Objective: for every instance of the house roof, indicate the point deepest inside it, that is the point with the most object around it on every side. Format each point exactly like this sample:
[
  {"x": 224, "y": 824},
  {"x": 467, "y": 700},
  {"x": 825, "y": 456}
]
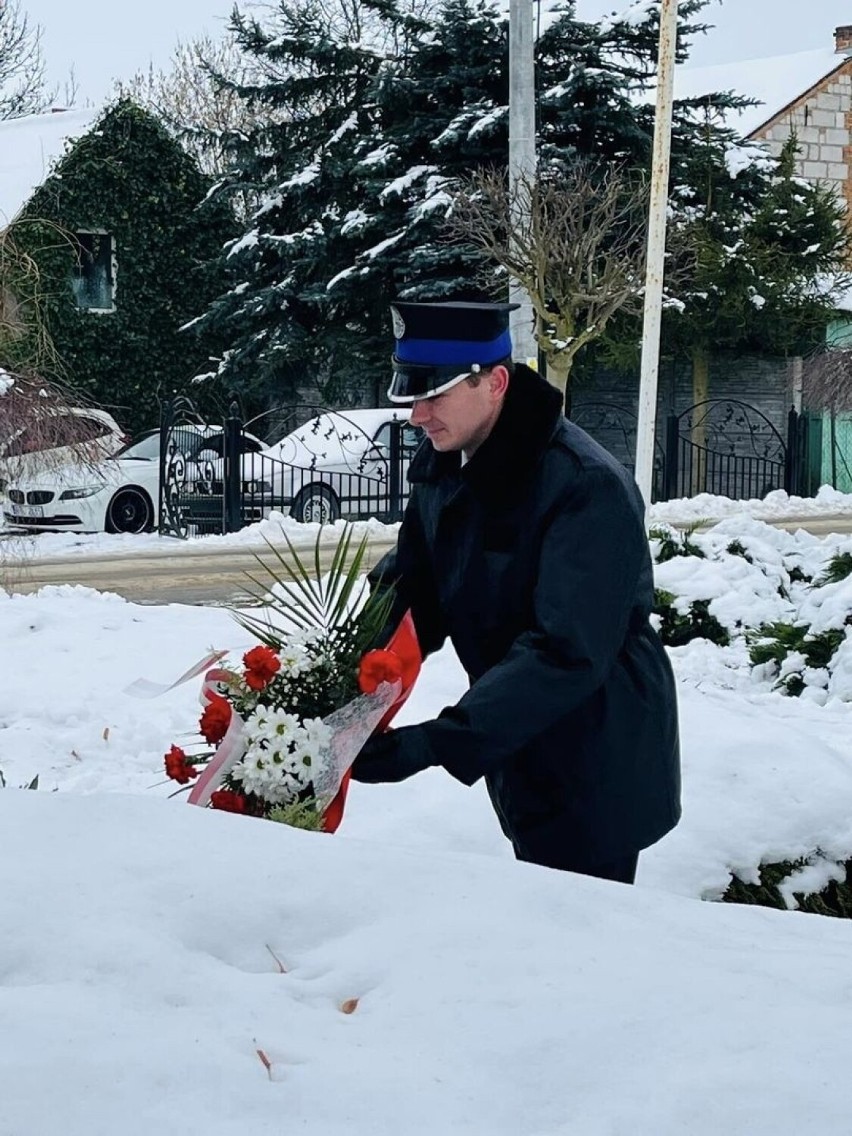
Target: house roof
[
  {"x": 776, "y": 81},
  {"x": 30, "y": 148}
]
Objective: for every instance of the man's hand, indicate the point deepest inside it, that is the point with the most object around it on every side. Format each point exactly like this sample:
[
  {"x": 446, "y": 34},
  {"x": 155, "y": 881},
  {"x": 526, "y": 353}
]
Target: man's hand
[{"x": 393, "y": 756}]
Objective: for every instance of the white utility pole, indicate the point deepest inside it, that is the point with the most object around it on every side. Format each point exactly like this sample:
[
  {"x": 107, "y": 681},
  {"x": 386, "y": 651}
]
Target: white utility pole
[
  {"x": 521, "y": 151},
  {"x": 655, "y": 263}
]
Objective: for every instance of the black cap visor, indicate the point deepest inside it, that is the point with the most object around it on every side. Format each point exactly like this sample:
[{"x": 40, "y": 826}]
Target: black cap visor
[{"x": 413, "y": 381}]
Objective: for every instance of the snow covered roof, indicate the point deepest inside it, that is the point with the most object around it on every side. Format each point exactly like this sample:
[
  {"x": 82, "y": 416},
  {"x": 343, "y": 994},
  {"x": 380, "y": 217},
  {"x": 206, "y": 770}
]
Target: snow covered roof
[
  {"x": 775, "y": 80},
  {"x": 30, "y": 148}
]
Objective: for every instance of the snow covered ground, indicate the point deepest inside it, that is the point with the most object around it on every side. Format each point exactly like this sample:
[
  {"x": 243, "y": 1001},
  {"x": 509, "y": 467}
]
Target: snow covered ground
[
  {"x": 172, "y": 970},
  {"x": 684, "y": 511}
]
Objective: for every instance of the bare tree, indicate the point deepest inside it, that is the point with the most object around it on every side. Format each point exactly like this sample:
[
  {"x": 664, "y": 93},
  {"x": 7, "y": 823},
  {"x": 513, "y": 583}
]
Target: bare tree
[
  {"x": 191, "y": 98},
  {"x": 827, "y": 380},
  {"x": 25, "y": 343},
  {"x": 23, "y": 84},
  {"x": 575, "y": 240},
  {"x": 193, "y": 103}
]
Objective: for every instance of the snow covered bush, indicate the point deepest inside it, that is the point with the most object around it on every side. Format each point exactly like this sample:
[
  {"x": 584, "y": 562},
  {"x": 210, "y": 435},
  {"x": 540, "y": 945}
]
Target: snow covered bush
[
  {"x": 677, "y": 627},
  {"x": 811, "y": 654},
  {"x": 747, "y": 582},
  {"x": 818, "y": 885}
]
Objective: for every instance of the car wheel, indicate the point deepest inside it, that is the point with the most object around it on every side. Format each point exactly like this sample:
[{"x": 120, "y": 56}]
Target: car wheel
[
  {"x": 130, "y": 511},
  {"x": 316, "y": 504}
]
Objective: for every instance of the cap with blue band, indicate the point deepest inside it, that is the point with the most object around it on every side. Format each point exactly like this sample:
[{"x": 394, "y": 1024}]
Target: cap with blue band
[{"x": 438, "y": 345}]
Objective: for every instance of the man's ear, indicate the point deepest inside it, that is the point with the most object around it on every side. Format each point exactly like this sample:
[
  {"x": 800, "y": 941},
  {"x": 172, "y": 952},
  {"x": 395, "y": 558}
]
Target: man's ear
[{"x": 498, "y": 381}]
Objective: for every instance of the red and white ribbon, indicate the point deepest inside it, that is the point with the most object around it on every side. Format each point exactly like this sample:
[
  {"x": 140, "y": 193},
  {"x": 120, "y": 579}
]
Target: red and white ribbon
[{"x": 145, "y": 688}]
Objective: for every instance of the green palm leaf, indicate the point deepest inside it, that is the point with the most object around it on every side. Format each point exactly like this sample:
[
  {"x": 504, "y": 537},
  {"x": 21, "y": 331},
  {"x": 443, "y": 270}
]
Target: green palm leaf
[{"x": 337, "y": 604}]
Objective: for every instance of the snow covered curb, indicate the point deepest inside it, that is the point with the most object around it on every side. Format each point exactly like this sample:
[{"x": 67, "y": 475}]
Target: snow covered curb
[
  {"x": 23, "y": 547},
  {"x": 706, "y": 509},
  {"x": 701, "y": 511}
]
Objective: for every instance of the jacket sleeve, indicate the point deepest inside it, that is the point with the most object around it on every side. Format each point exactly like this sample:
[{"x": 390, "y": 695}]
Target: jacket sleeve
[
  {"x": 592, "y": 556},
  {"x": 408, "y": 568}
]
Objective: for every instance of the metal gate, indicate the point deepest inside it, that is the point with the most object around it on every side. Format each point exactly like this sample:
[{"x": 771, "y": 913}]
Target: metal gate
[
  {"x": 721, "y": 446},
  {"x": 615, "y": 427},
  {"x": 217, "y": 479},
  {"x": 726, "y": 448}
]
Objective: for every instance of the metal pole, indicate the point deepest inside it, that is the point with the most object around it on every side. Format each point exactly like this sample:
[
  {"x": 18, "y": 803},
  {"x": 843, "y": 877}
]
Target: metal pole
[
  {"x": 521, "y": 152},
  {"x": 656, "y": 251}
]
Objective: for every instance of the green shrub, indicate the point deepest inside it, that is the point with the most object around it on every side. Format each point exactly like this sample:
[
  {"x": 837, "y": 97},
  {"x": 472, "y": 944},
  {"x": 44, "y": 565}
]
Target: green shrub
[
  {"x": 839, "y": 568},
  {"x": 835, "y": 899},
  {"x": 674, "y": 544},
  {"x": 773, "y": 642},
  {"x": 676, "y": 629},
  {"x": 737, "y": 548}
]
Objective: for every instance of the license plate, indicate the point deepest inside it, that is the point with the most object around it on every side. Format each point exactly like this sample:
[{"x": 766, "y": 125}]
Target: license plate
[{"x": 33, "y": 512}]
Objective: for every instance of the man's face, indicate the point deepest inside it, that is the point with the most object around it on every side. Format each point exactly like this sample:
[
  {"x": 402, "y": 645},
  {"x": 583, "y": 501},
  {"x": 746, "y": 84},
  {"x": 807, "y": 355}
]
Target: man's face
[{"x": 462, "y": 417}]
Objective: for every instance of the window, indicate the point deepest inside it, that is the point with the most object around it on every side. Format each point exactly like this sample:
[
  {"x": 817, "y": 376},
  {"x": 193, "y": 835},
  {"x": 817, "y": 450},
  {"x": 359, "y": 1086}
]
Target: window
[
  {"x": 53, "y": 433},
  {"x": 93, "y": 274},
  {"x": 143, "y": 449},
  {"x": 27, "y": 441},
  {"x": 412, "y": 436},
  {"x": 383, "y": 437}
]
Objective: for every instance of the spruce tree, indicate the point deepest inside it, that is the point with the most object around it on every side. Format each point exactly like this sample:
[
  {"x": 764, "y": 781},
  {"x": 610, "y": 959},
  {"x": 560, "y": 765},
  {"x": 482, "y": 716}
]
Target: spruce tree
[
  {"x": 764, "y": 253},
  {"x": 284, "y": 330},
  {"x": 364, "y": 143},
  {"x": 440, "y": 111}
]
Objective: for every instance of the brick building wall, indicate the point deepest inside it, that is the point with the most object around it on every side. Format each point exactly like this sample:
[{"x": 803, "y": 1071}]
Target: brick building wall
[{"x": 822, "y": 120}]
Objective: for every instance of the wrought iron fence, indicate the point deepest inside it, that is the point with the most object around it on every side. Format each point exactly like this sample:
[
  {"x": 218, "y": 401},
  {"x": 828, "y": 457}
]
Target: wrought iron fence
[
  {"x": 724, "y": 447},
  {"x": 614, "y": 427},
  {"x": 217, "y": 479},
  {"x": 332, "y": 467}
]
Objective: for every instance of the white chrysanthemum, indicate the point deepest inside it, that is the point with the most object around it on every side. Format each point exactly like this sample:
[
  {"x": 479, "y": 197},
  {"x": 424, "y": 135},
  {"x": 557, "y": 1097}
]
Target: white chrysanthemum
[
  {"x": 295, "y": 660},
  {"x": 278, "y": 777},
  {"x": 317, "y": 735},
  {"x": 273, "y": 726},
  {"x": 281, "y": 755}
]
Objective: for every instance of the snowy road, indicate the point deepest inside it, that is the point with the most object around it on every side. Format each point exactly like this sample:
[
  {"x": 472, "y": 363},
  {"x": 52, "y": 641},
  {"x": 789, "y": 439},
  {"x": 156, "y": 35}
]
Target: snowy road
[
  {"x": 212, "y": 570},
  {"x": 182, "y": 575}
]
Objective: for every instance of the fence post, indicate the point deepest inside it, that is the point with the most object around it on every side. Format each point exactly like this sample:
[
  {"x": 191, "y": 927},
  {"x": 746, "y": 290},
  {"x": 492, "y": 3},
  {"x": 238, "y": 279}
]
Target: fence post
[
  {"x": 232, "y": 470},
  {"x": 793, "y": 457},
  {"x": 166, "y": 419},
  {"x": 395, "y": 473},
  {"x": 672, "y": 457}
]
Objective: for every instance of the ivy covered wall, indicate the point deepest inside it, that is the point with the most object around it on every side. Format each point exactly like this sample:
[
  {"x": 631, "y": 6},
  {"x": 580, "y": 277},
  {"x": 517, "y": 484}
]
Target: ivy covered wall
[{"x": 129, "y": 179}]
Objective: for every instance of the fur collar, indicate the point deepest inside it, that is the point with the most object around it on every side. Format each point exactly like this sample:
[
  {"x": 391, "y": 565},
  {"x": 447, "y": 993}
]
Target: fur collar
[{"x": 531, "y": 412}]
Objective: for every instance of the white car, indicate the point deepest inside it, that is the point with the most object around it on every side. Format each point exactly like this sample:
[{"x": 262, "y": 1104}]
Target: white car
[
  {"x": 341, "y": 463},
  {"x": 120, "y": 494},
  {"x": 88, "y": 435}
]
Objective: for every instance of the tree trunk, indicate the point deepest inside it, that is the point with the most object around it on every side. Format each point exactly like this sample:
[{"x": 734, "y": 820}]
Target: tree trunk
[
  {"x": 559, "y": 372},
  {"x": 700, "y": 393}
]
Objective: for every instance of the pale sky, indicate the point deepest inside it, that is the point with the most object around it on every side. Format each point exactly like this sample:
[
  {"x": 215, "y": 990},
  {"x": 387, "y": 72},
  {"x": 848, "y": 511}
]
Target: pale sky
[{"x": 104, "y": 40}]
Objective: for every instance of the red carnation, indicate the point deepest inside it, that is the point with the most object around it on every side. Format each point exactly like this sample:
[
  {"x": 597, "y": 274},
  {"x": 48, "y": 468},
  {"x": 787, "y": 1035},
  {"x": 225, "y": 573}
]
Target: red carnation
[
  {"x": 178, "y": 766},
  {"x": 215, "y": 719},
  {"x": 378, "y": 667},
  {"x": 261, "y": 664},
  {"x": 228, "y": 801}
]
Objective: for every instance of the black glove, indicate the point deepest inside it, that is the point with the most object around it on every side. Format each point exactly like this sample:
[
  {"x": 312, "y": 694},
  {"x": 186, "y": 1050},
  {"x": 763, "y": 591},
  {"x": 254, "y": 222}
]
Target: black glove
[{"x": 393, "y": 756}]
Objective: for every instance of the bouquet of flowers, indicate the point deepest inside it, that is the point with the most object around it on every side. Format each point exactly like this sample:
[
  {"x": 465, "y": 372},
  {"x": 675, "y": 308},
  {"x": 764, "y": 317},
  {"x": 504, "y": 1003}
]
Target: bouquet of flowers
[{"x": 282, "y": 726}]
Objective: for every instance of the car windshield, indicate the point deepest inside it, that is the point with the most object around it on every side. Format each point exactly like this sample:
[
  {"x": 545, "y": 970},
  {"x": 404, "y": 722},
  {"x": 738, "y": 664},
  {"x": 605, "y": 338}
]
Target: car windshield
[{"x": 146, "y": 448}]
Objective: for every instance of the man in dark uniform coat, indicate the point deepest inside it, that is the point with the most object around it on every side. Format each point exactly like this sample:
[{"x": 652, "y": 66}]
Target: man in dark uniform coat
[{"x": 524, "y": 542}]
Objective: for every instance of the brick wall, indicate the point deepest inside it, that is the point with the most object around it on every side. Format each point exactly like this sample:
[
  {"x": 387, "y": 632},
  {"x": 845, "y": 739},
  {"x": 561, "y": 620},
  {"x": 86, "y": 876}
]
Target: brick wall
[
  {"x": 765, "y": 383},
  {"x": 822, "y": 121}
]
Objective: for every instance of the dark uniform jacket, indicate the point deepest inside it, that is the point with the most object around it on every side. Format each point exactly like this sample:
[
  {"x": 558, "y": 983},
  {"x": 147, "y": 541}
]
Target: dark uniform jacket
[{"x": 533, "y": 559}]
